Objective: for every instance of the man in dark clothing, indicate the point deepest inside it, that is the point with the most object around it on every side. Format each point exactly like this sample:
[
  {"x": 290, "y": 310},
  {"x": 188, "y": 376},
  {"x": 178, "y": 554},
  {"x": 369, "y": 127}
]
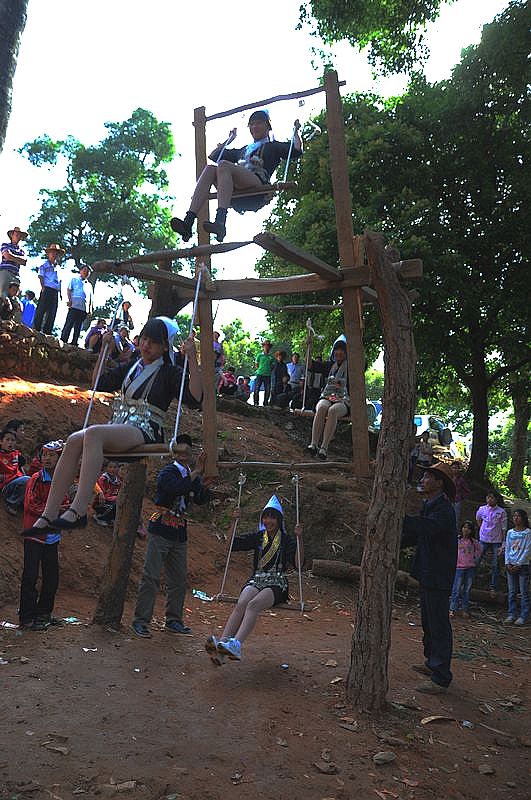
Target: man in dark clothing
[{"x": 434, "y": 534}]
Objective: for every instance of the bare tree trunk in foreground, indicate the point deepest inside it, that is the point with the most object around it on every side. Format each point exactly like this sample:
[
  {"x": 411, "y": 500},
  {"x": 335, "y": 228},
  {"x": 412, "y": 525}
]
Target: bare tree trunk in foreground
[
  {"x": 13, "y": 15},
  {"x": 116, "y": 576},
  {"x": 367, "y": 681}
]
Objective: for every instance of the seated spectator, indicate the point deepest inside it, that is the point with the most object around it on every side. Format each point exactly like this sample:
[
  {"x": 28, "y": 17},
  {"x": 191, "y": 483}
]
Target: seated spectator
[
  {"x": 95, "y": 335},
  {"x": 36, "y": 460},
  {"x": 12, "y": 479},
  {"x": 124, "y": 318},
  {"x": 333, "y": 404},
  {"x": 123, "y": 349},
  {"x": 228, "y": 382},
  {"x": 243, "y": 390},
  {"x": 317, "y": 375},
  {"x": 11, "y": 307},
  {"x": 110, "y": 484},
  {"x": 279, "y": 380},
  {"x": 296, "y": 372},
  {"x": 29, "y": 307}
]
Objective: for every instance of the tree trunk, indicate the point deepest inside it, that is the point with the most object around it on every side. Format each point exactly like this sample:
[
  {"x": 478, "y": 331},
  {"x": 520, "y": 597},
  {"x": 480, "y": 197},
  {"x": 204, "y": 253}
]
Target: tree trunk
[
  {"x": 367, "y": 681},
  {"x": 520, "y": 449},
  {"x": 116, "y": 576},
  {"x": 480, "y": 408},
  {"x": 13, "y": 15}
]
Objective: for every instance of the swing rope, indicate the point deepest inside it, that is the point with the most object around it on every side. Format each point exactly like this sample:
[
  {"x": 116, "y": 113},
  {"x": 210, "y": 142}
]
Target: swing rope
[
  {"x": 241, "y": 481},
  {"x": 105, "y": 349},
  {"x": 296, "y": 127},
  {"x": 173, "y": 442},
  {"x": 296, "y": 480},
  {"x": 309, "y": 341}
]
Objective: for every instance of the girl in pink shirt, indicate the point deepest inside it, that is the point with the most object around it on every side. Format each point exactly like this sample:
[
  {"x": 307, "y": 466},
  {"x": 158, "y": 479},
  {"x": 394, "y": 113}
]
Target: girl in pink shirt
[{"x": 468, "y": 553}]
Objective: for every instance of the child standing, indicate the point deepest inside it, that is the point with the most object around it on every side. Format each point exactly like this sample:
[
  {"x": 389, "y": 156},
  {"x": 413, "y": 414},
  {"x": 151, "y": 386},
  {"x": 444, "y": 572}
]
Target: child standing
[
  {"x": 468, "y": 553},
  {"x": 517, "y": 564},
  {"x": 493, "y": 525},
  {"x": 40, "y": 549},
  {"x": 274, "y": 550}
]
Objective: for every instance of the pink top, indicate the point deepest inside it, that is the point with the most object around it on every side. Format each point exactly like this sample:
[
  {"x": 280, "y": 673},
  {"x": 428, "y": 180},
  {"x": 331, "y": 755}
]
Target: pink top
[
  {"x": 493, "y": 522},
  {"x": 468, "y": 550}
]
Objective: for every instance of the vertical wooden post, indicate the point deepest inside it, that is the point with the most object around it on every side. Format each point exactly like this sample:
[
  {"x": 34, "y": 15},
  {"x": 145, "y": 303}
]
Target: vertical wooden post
[
  {"x": 205, "y": 314},
  {"x": 351, "y": 297}
]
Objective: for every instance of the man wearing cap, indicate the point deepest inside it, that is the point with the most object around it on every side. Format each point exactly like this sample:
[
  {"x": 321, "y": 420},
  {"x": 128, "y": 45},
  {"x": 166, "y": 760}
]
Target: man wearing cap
[
  {"x": 13, "y": 257},
  {"x": 435, "y": 536},
  {"x": 50, "y": 290},
  {"x": 79, "y": 293}
]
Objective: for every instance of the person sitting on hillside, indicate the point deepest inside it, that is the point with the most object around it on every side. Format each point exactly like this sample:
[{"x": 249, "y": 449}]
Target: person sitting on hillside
[
  {"x": 228, "y": 382},
  {"x": 168, "y": 536},
  {"x": 274, "y": 550},
  {"x": 40, "y": 548},
  {"x": 12, "y": 478},
  {"x": 279, "y": 381},
  {"x": 10, "y": 305},
  {"x": 334, "y": 403},
  {"x": 122, "y": 348},
  {"x": 243, "y": 390},
  {"x": 124, "y": 318},
  {"x": 110, "y": 484},
  {"x": 147, "y": 389},
  {"x": 95, "y": 335},
  {"x": 239, "y": 170}
]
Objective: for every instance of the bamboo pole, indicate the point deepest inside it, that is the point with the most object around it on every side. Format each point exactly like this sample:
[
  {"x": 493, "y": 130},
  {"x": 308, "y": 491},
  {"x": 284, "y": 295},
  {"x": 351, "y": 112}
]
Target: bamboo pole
[{"x": 268, "y": 101}]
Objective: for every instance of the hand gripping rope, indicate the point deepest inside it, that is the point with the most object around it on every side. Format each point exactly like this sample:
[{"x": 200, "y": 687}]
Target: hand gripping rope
[
  {"x": 296, "y": 478},
  {"x": 241, "y": 481},
  {"x": 185, "y": 365},
  {"x": 125, "y": 282}
]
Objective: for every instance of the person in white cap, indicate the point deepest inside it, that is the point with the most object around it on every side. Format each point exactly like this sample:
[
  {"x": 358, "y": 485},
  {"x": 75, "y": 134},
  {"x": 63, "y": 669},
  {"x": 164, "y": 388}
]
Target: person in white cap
[
  {"x": 147, "y": 389},
  {"x": 40, "y": 548},
  {"x": 274, "y": 550}
]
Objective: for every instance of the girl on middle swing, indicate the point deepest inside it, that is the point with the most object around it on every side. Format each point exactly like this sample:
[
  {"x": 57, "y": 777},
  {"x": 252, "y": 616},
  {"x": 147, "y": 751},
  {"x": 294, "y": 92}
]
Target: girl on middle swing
[{"x": 274, "y": 550}]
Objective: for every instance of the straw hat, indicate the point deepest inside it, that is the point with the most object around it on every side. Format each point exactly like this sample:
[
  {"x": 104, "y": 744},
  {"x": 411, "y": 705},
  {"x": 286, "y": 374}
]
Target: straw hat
[
  {"x": 444, "y": 471},
  {"x": 56, "y": 247},
  {"x": 16, "y": 229}
]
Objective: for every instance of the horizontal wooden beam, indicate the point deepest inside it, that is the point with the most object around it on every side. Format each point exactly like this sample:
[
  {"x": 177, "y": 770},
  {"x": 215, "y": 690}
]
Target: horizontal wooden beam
[
  {"x": 197, "y": 251},
  {"x": 268, "y": 101},
  {"x": 145, "y": 273},
  {"x": 292, "y": 467},
  {"x": 295, "y": 255}
]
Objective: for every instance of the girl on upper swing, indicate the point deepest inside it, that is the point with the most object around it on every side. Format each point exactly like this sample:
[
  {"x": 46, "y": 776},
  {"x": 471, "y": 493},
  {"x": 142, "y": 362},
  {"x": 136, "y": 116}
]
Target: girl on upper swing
[
  {"x": 147, "y": 389},
  {"x": 241, "y": 169},
  {"x": 274, "y": 550}
]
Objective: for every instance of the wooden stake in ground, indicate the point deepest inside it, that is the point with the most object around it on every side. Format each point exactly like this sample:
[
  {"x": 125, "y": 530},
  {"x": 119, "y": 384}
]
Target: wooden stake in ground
[
  {"x": 116, "y": 576},
  {"x": 367, "y": 681}
]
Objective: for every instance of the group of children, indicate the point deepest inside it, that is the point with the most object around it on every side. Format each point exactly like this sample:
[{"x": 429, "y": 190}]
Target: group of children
[{"x": 514, "y": 545}]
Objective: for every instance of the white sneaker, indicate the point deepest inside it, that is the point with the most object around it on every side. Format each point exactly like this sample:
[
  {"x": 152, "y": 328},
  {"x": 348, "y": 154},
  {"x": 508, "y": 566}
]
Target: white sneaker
[
  {"x": 232, "y": 649},
  {"x": 509, "y": 620},
  {"x": 519, "y": 621}
]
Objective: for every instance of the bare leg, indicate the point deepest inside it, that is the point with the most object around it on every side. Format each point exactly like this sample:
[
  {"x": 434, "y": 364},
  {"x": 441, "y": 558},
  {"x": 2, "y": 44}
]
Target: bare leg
[
  {"x": 264, "y": 599},
  {"x": 235, "y": 619},
  {"x": 231, "y": 177},
  {"x": 335, "y": 412},
  {"x": 202, "y": 187},
  {"x": 63, "y": 475},
  {"x": 321, "y": 410},
  {"x": 95, "y": 440}
]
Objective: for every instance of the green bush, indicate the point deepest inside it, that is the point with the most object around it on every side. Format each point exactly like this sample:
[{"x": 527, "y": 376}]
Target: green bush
[{"x": 499, "y": 473}]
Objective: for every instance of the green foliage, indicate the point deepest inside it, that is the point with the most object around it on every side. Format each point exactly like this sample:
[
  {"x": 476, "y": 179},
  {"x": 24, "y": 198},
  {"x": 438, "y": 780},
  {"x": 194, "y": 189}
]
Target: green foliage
[
  {"x": 374, "y": 383},
  {"x": 392, "y": 29},
  {"x": 498, "y": 474},
  {"x": 441, "y": 172},
  {"x": 110, "y": 206},
  {"x": 238, "y": 347}
]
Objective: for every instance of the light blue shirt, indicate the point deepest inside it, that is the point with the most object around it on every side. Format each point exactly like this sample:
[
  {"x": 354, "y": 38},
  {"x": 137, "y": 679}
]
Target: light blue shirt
[
  {"x": 81, "y": 293},
  {"x": 48, "y": 272}
]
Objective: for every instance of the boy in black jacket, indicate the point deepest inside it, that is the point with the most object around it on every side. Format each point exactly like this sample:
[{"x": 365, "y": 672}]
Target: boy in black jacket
[
  {"x": 168, "y": 537},
  {"x": 434, "y": 533}
]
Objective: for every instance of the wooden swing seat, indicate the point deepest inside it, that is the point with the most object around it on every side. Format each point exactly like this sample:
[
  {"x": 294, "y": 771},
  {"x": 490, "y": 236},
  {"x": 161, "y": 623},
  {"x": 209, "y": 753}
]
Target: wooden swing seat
[
  {"x": 225, "y": 598},
  {"x": 272, "y": 188},
  {"x": 138, "y": 452}
]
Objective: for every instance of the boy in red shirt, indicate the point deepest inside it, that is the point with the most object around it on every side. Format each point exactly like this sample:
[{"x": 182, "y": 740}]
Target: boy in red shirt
[
  {"x": 12, "y": 479},
  {"x": 40, "y": 549},
  {"x": 109, "y": 483}
]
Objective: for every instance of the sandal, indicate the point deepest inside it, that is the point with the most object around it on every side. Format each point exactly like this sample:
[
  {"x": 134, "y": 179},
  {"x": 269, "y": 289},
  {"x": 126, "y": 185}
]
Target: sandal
[
  {"x": 44, "y": 529},
  {"x": 79, "y": 521}
]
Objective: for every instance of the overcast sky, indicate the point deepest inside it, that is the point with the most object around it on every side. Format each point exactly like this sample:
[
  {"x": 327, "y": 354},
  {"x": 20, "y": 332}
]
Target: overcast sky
[{"x": 79, "y": 68}]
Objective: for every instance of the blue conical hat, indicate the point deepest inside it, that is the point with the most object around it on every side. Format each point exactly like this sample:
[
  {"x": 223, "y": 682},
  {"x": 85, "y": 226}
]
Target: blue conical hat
[{"x": 273, "y": 502}]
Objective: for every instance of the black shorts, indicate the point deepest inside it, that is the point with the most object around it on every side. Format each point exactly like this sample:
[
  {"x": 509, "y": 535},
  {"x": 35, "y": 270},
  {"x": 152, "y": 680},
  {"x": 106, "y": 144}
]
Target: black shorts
[{"x": 281, "y": 595}]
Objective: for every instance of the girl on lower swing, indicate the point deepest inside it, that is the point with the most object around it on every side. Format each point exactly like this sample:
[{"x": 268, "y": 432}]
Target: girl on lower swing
[{"x": 274, "y": 550}]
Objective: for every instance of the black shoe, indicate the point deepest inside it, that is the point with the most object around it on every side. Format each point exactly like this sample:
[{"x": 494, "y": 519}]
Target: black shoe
[
  {"x": 80, "y": 521},
  {"x": 141, "y": 629},
  {"x": 40, "y": 624},
  {"x": 312, "y": 449},
  {"x": 177, "y": 627},
  {"x": 180, "y": 227},
  {"x": 216, "y": 228},
  {"x": 35, "y": 531}
]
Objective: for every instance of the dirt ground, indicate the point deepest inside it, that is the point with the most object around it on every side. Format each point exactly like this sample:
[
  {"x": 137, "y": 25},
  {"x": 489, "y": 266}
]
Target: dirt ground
[{"x": 96, "y": 713}]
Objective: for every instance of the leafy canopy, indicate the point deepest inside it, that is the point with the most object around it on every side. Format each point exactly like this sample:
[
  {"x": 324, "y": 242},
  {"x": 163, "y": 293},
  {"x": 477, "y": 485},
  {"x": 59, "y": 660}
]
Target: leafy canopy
[
  {"x": 393, "y": 30},
  {"x": 110, "y": 206}
]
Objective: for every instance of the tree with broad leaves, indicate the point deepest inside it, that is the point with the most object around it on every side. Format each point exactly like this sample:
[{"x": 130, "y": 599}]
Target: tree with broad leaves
[
  {"x": 442, "y": 172},
  {"x": 13, "y": 14},
  {"x": 110, "y": 206},
  {"x": 393, "y": 30}
]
